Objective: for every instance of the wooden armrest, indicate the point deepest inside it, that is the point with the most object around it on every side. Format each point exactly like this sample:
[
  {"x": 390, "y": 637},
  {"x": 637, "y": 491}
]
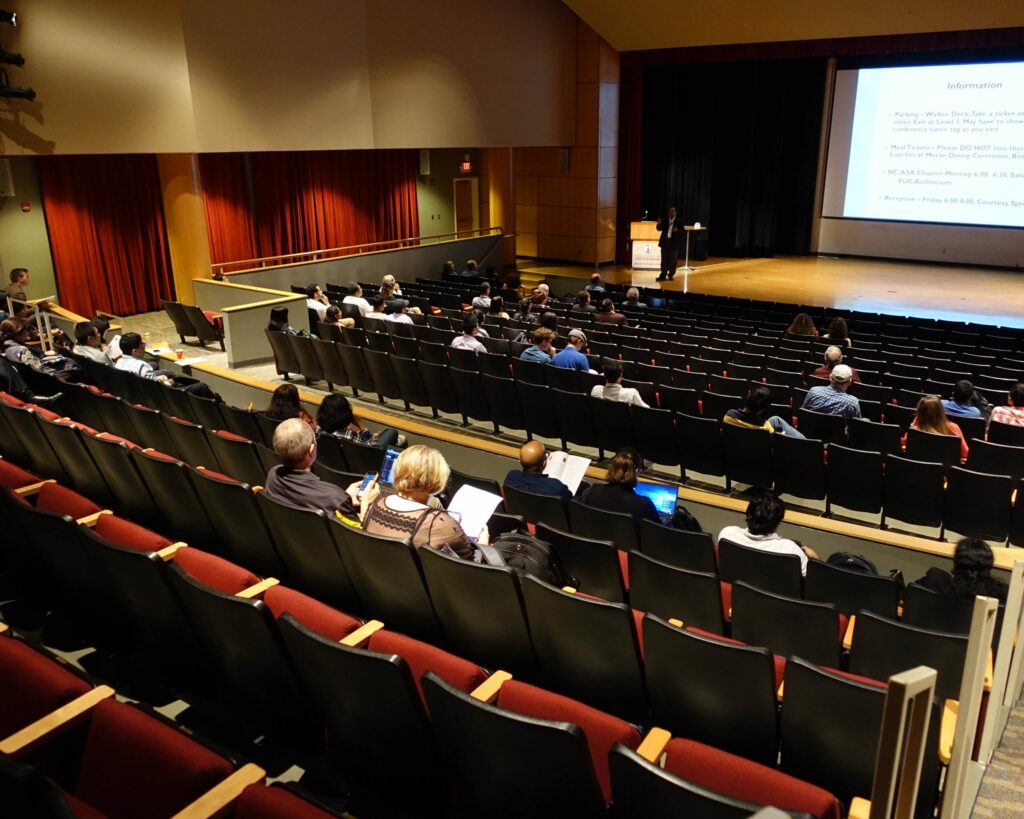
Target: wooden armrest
[
  {"x": 654, "y": 744},
  {"x": 989, "y": 672},
  {"x": 167, "y": 552},
  {"x": 32, "y": 488},
  {"x": 43, "y": 728},
  {"x": 258, "y": 588},
  {"x": 223, "y": 795},
  {"x": 848, "y": 637},
  {"x": 488, "y": 690},
  {"x": 256, "y": 489},
  {"x": 950, "y": 710},
  {"x": 90, "y": 520},
  {"x": 860, "y": 808},
  {"x": 3, "y": 628},
  {"x": 675, "y": 621},
  {"x": 362, "y": 634},
  {"x": 568, "y": 589},
  {"x": 779, "y": 694}
]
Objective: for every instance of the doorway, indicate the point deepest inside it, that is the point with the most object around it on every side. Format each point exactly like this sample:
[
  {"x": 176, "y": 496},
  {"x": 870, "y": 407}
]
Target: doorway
[{"x": 467, "y": 205}]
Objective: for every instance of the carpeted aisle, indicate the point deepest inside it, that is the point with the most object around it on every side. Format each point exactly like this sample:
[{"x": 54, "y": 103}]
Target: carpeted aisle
[{"x": 1002, "y": 789}]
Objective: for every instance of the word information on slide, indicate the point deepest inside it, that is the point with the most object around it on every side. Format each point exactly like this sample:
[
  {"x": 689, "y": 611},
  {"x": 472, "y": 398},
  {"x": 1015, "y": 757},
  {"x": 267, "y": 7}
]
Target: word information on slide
[{"x": 939, "y": 144}]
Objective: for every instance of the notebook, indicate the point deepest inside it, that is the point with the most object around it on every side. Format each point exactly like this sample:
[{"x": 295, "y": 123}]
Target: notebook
[{"x": 663, "y": 497}]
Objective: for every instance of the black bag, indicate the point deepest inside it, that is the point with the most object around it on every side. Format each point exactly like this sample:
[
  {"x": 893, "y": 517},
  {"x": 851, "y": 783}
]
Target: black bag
[
  {"x": 684, "y": 520},
  {"x": 848, "y": 560},
  {"x": 527, "y": 554}
]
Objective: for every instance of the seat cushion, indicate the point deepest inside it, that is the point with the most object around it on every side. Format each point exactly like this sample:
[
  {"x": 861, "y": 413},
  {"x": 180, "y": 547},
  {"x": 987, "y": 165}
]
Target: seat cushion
[
  {"x": 314, "y": 615},
  {"x": 13, "y": 477},
  {"x": 741, "y": 778},
  {"x": 274, "y": 802},
  {"x": 215, "y": 572},
  {"x": 422, "y": 658},
  {"x": 7, "y": 398},
  {"x": 53, "y": 497},
  {"x": 129, "y": 535},
  {"x": 602, "y": 730},
  {"x": 135, "y": 765},
  {"x": 32, "y": 685}
]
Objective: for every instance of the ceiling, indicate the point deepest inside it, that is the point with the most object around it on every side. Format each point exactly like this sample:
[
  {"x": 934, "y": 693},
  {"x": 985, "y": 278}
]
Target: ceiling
[{"x": 650, "y": 24}]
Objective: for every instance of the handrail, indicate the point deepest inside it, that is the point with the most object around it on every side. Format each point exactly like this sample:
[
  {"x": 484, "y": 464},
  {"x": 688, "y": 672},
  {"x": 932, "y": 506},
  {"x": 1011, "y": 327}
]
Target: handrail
[{"x": 350, "y": 250}]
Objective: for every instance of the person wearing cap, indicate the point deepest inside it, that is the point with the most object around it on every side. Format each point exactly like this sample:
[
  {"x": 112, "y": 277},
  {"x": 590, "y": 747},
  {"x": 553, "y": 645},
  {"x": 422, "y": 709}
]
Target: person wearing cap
[
  {"x": 833, "y": 356},
  {"x": 834, "y": 398},
  {"x": 533, "y": 457},
  {"x": 398, "y": 310},
  {"x": 468, "y": 340},
  {"x": 572, "y": 357}
]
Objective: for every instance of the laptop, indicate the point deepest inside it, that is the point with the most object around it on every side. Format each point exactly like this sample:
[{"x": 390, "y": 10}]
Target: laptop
[
  {"x": 662, "y": 496},
  {"x": 387, "y": 471}
]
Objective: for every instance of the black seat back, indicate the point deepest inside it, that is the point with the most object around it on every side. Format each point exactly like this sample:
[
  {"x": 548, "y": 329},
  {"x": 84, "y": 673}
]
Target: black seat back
[
  {"x": 788, "y": 626},
  {"x": 678, "y": 547},
  {"x": 777, "y": 573},
  {"x": 671, "y": 592},
  {"x": 600, "y": 524},
  {"x": 591, "y": 565},
  {"x": 851, "y": 590}
]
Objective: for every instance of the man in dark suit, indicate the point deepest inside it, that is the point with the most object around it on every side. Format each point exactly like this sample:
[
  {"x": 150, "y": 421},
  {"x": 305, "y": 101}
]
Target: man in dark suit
[{"x": 671, "y": 238}]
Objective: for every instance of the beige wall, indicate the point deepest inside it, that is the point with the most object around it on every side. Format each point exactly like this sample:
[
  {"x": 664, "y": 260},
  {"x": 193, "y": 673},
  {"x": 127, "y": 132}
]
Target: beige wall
[
  {"x": 435, "y": 196},
  {"x": 23, "y": 238},
  {"x": 678, "y": 23},
  {"x": 187, "y": 76}
]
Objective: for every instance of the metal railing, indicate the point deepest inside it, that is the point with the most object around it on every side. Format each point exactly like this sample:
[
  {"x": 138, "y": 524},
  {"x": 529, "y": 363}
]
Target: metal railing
[{"x": 262, "y": 262}]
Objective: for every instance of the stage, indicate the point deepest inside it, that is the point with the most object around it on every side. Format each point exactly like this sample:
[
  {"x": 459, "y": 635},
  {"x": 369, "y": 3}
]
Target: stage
[{"x": 956, "y": 293}]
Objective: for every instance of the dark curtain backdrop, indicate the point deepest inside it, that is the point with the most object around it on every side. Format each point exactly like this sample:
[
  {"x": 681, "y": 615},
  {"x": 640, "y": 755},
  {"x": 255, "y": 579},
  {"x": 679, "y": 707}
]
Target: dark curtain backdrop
[
  {"x": 105, "y": 219},
  {"x": 735, "y": 147},
  {"x": 227, "y": 204}
]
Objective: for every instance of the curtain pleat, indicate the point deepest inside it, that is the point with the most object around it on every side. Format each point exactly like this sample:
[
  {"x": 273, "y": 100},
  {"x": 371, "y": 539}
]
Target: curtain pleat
[{"x": 226, "y": 201}]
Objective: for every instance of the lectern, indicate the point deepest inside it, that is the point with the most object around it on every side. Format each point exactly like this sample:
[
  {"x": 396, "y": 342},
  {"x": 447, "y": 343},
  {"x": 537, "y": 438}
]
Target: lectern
[{"x": 646, "y": 253}]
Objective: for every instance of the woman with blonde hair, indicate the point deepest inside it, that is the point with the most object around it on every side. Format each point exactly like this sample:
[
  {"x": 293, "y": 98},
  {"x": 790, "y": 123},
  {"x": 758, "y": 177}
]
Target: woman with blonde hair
[
  {"x": 421, "y": 472},
  {"x": 931, "y": 417}
]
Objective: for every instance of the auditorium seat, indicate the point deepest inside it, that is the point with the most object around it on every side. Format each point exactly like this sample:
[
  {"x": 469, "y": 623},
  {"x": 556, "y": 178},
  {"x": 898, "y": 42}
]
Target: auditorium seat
[
  {"x": 439, "y": 386},
  {"x": 788, "y": 626},
  {"x": 671, "y": 592},
  {"x": 410, "y": 382},
  {"x": 180, "y": 507},
  {"x": 798, "y": 466},
  {"x": 592, "y": 566},
  {"x": 535, "y": 402},
  {"x": 469, "y": 392},
  {"x": 66, "y": 441},
  {"x": 237, "y": 456},
  {"x": 537, "y": 508},
  {"x": 190, "y": 443},
  {"x": 285, "y": 361},
  {"x": 933, "y": 447},
  {"x": 977, "y": 504},
  {"x": 655, "y": 435},
  {"x": 359, "y": 377},
  {"x": 503, "y": 399},
  {"x": 913, "y": 491},
  {"x": 713, "y": 691},
  {"x": 305, "y": 355},
  {"x": 601, "y": 524},
  {"x": 278, "y": 801},
  {"x": 996, "y": 459},
  {"x": 205, "y": 329},
  {"x": 678, "y": 547},
  {"x": 850, "y": 590},
  {"x": 700, "y": 445},
  {"x": 241, "y": 422},
  {"x": 1007, "y": 434},
  {"x": 574, "y": 413},
  {"x": 378, "y": 364},
  {"x": 14, "y": 477},
  {"x": 748, "y": 455},
  {"x": 854, "y": 479},
  {"x": 149, "y": 426},
  {"x": 36, "y": 453},
  {"x": 779, "y": 573}
]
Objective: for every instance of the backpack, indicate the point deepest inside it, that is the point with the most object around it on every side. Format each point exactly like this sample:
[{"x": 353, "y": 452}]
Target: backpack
[
  {"x": 848, "y": 560},
  {"x": 526, "y": 554}
]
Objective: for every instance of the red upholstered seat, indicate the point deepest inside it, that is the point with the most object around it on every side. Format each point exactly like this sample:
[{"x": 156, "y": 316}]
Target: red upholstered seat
[
  {"x": 742, "y": 779},
  {"x": 262, "y": 802},
  {"x": 230, "y": 436},
  {"x": 423, "y": 657},
  {"x": 53, "y": 497},
  {"x": 107, "y": 436},
  {"x": 135, "y": 765},
  {"x": 43, "y": 412},
  {"x": 602, "y": 730},
  {"x": 13, "y": 477},
  {"x": 32, "y": 685},
  {"x": 7, "y": 398},
  {"x": 726, "y": 600},
  {"x": 314, "y": 615},
  {"x": 220, "y": 476},
  {"x": 129, "y": 535},
  {"x": 215, "y": 572}
]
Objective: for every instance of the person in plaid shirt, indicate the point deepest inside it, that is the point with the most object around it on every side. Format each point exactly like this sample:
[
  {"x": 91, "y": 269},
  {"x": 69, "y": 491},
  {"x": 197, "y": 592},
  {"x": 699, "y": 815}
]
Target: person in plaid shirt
[{"x": 834, "y": 399}]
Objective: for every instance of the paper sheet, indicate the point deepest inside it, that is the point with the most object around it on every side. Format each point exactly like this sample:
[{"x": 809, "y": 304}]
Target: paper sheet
[
  {"x": 474, "y": 508},
  {"x": 569, "y": 469}
]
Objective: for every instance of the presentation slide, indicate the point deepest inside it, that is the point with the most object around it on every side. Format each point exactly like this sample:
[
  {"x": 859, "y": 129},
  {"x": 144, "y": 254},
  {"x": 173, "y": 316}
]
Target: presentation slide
[{"x": 941, "y": 143}]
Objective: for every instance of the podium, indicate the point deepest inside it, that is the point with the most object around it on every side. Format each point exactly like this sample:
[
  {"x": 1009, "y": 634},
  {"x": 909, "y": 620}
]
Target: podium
[{"x": 646, "y": 254}]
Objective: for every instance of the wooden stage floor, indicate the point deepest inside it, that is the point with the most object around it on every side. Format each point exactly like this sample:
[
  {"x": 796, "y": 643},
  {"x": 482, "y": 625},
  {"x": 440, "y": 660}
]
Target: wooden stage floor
[{"x": 874, "y": 285}]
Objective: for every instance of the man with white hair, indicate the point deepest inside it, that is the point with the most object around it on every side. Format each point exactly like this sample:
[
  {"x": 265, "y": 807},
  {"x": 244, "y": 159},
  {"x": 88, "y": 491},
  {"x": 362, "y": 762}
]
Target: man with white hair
[
  {"x": 834, "y": 398},
  {"x": 833, "y": 356},
  {"x": 292, "y": 480}
]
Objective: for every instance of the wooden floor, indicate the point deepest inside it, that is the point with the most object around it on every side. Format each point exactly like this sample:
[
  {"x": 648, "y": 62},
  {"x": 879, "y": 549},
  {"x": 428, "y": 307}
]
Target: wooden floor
[{"x": 900, "y": 288}]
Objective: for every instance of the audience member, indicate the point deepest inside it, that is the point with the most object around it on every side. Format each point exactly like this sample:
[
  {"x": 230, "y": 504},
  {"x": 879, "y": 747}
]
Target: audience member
[
  {"x": 387, "y": 292},
  {"x": 612, "y": 389},
  {"x": 16, "y": 290},
  {"x": 478, "y": 314},
  {"x": 834, "y": 399},
  {"x": 336, "y": 417},
  {"x": 89, "y": 343},
  {"x": 468, "y": 340},
  {"x": 606, "y": 314},
  {"x": 633, "y": 299},
  {"x": 355, "y": 297},
  {"x": 379, "y": 306},
  {"x": 472, "y": 270},
  {"x": 764, "y": 514},
  {"x": 833, "y": 356},
  {"x": 279, "y": 321},
  {"x": 838, "y": 333},
  {"x": 1013, "y": 413},
  {"x": 509, "y": 279},
  {"x": 398, "y": 311},
  {"x": 112, "y": 347},
  {"x": 617, "y": 495},
  {"x": 533, "y": 457},
  {"x": 333, "y": 316},
  {"x": 966, "y": 402},
  {"x": 756, "y": 413},
  {"x": 15, "y": 334},
  {"x": 595, "y": 285},
  {"x": 132, "y": 360},
  {"x": 420, "y": 473},
  {"x": 583, "y": 304},
  {"x": 392, "y": 284},
  {"x": 931, "y": 417},
  {"x": 541, "y": 349},
  {"x": 293, "y": 482},
  {"x": 448, "y": 270},
  {"x": 285, "y": 404},
  {"x": 483, "y": 301},
  {"x": 316, "y": 300},
  {"x": 971, "y": 575},
  {"x": 572, "y": 357},
  {"x": 550, "y": 320},
  {"x": 525, "y": 312},
  {"x": 802, "y": 326},
  {"x": 497, "y": 308}
]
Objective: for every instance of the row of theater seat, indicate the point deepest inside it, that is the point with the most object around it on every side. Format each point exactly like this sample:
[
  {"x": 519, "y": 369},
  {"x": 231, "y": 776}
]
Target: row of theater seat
[{"x": 288, "y": 657}]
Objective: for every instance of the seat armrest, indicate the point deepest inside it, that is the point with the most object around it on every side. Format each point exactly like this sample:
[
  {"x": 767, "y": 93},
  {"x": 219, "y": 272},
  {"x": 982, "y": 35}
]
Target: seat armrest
[
  {"x": 167, "y": 553},
  {"x": 860, "y": 808},
  {"x": 258, "y": 588},
  {"x": 950, "y": 711},
  {"x": 32, "y": 488},
  {"x": 44, "y": 728},
  {"x": 488, "y": 690},
  {"x": 362, "y": 634},
  {"x": 848, "y": 637},
  {"x": 90, "y": 520},
  {"x": 653, "y": 745},
  {"x": 221, "y": 797}
]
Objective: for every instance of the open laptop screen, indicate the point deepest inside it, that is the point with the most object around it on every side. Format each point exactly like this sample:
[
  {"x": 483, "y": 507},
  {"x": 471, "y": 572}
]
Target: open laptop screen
[{"x": 664, "y": 498}]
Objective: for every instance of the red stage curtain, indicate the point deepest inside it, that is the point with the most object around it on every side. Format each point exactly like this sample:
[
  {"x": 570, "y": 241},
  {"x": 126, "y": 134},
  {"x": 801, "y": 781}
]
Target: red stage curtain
[
  {"x": 228, "y": 212},
  {"x": 324, "y": 199},
  {"x": 107, "y": 236}
]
